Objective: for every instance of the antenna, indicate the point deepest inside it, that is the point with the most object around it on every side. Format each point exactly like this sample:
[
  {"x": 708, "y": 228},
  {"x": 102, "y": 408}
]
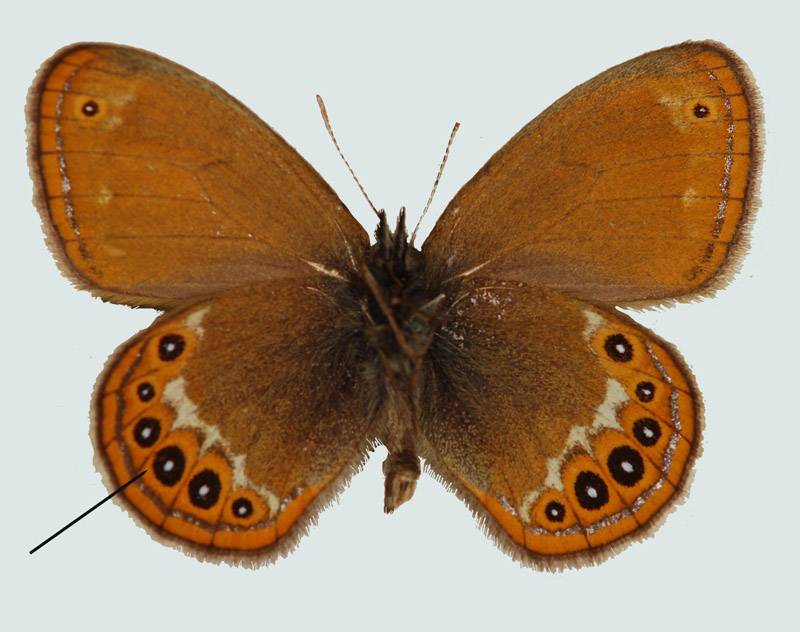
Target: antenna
[
  {"x": 436, "y": 182},
  {"x": 324, "y": 113}
]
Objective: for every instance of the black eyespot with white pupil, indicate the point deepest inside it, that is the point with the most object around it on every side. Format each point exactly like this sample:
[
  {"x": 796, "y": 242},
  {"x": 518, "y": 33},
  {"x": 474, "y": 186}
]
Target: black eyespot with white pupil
[
  {"x": 645, "y": 391},
  {"x": 701, "y": 111},
  {"x": 591, "y": 490},
  {"x": 626, "y": 465},
  {"x": 242, "y": 508},
  {"x": 169, "y": 465},
  {"x": 555, "y": 511},
  {"x": 90, "y": 108},
  {"x": 647, "y": 431},
  {"x": 170, "y": 347},
  {"x": 147, "y": 431},
  {"x": 618, "y": 348},
  {"x": 204, "y": 489},
  {"x": 145, "y": 391}
]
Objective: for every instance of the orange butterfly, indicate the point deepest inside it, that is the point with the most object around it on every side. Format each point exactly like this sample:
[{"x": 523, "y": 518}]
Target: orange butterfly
[{"x": 289, "y": 345}]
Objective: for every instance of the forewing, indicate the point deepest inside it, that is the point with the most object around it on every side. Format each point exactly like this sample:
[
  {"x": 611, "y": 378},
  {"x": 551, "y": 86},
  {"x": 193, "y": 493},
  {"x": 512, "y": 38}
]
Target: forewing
[
  {"x": 568, "y": 427},
  {"x": 155, "y": 185},
  {"x": 246, "y": 413},
  {"x": 635, "y": 187}
]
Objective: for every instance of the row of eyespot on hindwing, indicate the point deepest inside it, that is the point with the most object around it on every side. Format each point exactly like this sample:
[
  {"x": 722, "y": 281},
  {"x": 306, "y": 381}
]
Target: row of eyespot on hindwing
[
  {"x": 634, "y": 467},
  {"x": 186, "y": 493}
]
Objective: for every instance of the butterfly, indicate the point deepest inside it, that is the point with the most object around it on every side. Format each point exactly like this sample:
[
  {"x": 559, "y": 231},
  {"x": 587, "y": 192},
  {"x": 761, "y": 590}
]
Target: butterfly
[{"x": 290, "y": 346}]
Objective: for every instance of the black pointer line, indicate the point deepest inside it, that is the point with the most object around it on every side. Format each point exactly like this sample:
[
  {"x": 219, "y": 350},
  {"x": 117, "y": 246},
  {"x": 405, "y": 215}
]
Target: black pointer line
[{"x": 86, "y": 513}]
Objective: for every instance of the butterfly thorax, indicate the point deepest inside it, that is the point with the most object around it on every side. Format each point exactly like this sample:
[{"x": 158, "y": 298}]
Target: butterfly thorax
[{"x": 400, "y": 310}]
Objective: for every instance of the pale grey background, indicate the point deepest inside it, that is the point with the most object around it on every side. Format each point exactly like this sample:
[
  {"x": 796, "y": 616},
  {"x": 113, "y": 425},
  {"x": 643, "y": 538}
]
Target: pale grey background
[{"x": 395, "y": 78}]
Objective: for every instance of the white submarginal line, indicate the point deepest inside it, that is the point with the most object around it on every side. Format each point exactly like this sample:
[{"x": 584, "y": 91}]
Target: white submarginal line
[
  {"x": 674, "y": 412},
  {"x": 608, "y": 520},
  {"x": 642, "y": 498},
  {"x": 66, "y": 185},
  {"x": 675, "y": 418},
  {"x": 724, "y": 185},
  {"x": 657, "y": 363},
  {"x": 537, "y": 530}
]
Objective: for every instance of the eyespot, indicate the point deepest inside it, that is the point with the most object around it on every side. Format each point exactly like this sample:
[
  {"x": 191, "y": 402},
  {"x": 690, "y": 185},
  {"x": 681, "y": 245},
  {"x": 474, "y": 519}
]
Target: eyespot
[
  {"x": 169, "y": 465},
  {"x": 647, "y": 431},
  {"x": 147, "y": 431},
  {"x": 555, "y": 511},
  {"x": 204, "y": 489},
  {"x": 591, "y": 490},
  {"x": 645, "y": 391},
  {"x": 145, "y": 391},
  {"x": 618, "y": 348},
  {"x": 90, "y": 108},
  {"x": 170, "y": 347},
  {"x": 242, "y": 508},
  {"x": 701, "y": 111},
  {"x": 626, "y": 465}
]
